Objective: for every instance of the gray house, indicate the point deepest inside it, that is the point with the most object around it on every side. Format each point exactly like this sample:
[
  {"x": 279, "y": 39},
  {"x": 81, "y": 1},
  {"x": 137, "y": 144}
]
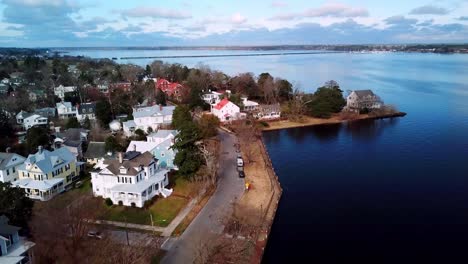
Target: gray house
[
  {"x": 363, "y": 99},
  {"x": 13, "y": 248}
]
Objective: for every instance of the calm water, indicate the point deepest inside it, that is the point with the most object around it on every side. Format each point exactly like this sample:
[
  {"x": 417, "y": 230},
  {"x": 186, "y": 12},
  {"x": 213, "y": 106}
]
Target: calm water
[{"x": 390, "y": 191}]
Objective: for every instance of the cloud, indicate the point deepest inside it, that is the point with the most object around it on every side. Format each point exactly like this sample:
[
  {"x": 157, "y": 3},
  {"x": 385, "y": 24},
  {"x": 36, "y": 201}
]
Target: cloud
[
  {"x": 238, "y": 19},
  {"x": 279, "y": 4},
  {"x": 429, "y": 10},
  {"x": 327, "y": 10},
  {"x": 400, "y": 20},
  {"x": 463, "y": 18},
  {"x": 155, "y": 13}
]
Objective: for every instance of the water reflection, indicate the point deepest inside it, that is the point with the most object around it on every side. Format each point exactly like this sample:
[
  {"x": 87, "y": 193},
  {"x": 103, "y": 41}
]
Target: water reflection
[
  {"x": 323, "y": 133},
  {"x": 369, "y": 130}
]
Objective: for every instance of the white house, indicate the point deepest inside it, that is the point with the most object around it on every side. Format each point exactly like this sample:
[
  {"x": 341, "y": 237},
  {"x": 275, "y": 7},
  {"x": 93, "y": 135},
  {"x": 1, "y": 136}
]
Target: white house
[
  {"x": 61, "y": 90},
  {"x": 161, "y": 135},
  {"x": 249, "y": 106},
  {"x": 28, "y": 120},
  {"x": 268, "y": 112},
  {"x": 86, "y": 110},
  {"x": 66, "y": 110},
  {"x": 13, "y": 248},
  {"x": 131, "y": 180},
  {"x": 9, "y": 163},
  {"x": 225, "y": 110},
  {"x": 151, "y": 116},
  {"x": 363, "y": 99},
  {"x": 212, "y": 98}
]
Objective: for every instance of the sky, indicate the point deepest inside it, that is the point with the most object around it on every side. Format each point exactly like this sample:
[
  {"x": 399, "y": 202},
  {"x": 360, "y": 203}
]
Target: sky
[{"x": 92, "y": 23}]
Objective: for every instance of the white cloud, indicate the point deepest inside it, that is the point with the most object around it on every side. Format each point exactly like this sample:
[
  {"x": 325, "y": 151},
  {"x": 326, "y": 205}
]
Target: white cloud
[
  {"x": 279, "y": 4},
  {"x": 155, "y": 13},
  {"x": 327, "y": 10},
  {"x": 238, "y": 19}
]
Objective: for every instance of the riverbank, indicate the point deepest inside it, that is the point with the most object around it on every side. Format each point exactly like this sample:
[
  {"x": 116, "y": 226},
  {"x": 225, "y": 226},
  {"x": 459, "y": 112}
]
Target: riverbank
[
  {"x": 312, "y": 121},
  {"x": 256, "y": 209}
]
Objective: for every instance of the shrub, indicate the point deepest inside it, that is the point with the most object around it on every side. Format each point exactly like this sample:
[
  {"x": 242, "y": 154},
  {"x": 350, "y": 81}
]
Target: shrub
[
  {"x": 133, "y": 205},
  {"x": 264, "y": 124},
  {"x": 120, "y": 203},
  {"x": 109, "y": 202}
]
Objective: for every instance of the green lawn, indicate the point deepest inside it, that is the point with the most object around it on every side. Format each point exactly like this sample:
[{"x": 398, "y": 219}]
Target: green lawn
[{"x": 163, "y": 211}]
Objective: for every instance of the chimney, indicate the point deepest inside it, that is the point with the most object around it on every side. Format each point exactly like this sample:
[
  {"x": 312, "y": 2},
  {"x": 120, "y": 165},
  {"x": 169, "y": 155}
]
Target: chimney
[
  {"x": 7, "y": 150},
  {"x": 160, "y": 107},
  {"x": 134, "y": 147},
  {"x": 120, "y": 155},
  {"x": 39, "y": 149}
]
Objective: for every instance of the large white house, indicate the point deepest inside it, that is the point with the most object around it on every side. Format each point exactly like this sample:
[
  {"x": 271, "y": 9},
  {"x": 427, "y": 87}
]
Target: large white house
[
  {"x": 151, "y": 116},
  {"x": 28, "y": 120},
  {"x": 61, "y": 90},
  {"x": 130, "y": 180},
  {"x": 9, "y": 163},
  {"x": 249, "y": 106},
  {"x": 66, "y": 110},
  {"x": 225, "y": 110},
  {"x": 363, "y": 99}
]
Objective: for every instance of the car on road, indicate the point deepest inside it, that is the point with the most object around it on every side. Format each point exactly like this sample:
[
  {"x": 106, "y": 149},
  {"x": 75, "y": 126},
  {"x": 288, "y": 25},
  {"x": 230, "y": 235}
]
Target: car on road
[
  {"x": 240, "y": 162},
  {"x": 241, "y": 174},
  {"x": 95, "y": 234}
]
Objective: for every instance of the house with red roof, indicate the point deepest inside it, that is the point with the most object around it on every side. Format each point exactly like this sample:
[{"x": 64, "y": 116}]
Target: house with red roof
[
  {"x": 225, "y": 110},
  {"x": 171, "y": 89}
]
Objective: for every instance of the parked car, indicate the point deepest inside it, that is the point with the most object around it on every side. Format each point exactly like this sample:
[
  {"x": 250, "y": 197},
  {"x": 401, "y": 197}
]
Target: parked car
[
  {"x": 78, "y": 184},
  {"x": 240, "y": 162},
  {"x": 95, "y": 234},
  {"x": 241, "y": 174}
]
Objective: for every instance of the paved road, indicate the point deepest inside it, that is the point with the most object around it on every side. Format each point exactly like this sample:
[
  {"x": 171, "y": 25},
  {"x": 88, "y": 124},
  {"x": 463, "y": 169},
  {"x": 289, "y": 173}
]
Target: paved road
[{"x": 230, "y": 187}]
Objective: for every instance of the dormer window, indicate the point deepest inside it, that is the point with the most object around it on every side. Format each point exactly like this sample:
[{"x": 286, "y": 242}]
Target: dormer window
[{"x": 123, "y": 170}]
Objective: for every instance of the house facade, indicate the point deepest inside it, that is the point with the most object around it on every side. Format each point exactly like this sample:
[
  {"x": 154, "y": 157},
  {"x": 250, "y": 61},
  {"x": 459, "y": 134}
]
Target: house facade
[
  {"x": 249, "y": 106},
  {"x": 153, "y": 116},
  {"x": 225, "y": 110},
  {"x": 159, "y": 144},
  {"x": 28, "y": 120},
  {"x": 9, "y": 163},
  {"x": 86, "y": 110},
  {"x": 13, "y": 248},
  {"x": 61, "y": 90},
  {"x": 130, "y": 180},
  {"x": 72, "y": 139},
  {"x": 46, "y": 173},
  {"x": 268, "y": 112},
  {"x": 363, "y": 99},
  {"x": 212, "y": 98},
  {"x": 65, "y": 110}
]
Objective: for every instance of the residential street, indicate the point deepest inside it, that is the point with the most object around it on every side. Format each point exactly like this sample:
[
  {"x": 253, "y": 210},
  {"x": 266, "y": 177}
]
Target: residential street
[{"x": 230, "y": 187}]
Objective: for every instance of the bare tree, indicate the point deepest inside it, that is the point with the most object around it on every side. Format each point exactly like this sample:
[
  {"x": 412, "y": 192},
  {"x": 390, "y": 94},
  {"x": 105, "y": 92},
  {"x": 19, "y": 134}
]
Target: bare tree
[{"x": 130, "y": 72}]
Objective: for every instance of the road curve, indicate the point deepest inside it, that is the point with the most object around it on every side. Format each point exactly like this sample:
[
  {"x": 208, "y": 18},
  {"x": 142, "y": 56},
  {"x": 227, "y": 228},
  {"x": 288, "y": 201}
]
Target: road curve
[{"x": 230, "y": 187}]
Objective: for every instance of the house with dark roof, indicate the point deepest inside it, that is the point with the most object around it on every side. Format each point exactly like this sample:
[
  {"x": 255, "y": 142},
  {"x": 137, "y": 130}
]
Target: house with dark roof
[
  {"x": 363, "y": 99},
  {"x": 130, "y": 180},
  {"x": 9, "y": 163},
  {"x": 13, "y": 248},
  {"x": 86, "y": 110},
  {"x": 73, "y": 139},
  {"x": 96, "y": 151}
]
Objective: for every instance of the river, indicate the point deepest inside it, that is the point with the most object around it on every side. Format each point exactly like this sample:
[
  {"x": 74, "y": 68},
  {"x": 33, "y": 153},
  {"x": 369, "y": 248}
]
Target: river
[{"x": 387, "y": 191}]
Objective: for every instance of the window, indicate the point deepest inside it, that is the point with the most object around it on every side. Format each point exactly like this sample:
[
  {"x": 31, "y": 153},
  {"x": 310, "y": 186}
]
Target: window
[
  {"x": 14, "y": 169},
  {"x": 7, "y": 172},
  {"x": 130, "y": 179},
  {"x": 118, "y": 179}
]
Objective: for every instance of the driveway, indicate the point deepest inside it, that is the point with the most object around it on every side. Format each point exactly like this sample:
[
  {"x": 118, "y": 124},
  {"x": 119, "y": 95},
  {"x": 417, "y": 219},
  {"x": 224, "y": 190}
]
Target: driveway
[{"x": 219, "y": 207}]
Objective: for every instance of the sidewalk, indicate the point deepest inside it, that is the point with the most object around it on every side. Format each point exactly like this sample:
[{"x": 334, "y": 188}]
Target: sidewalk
[{"x": 165, "y": 231}]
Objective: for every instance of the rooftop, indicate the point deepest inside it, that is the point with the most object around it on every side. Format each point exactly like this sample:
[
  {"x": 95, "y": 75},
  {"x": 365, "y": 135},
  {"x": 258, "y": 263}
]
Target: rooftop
[
  {"x": 155, "y": 110},
  {"x": 47, "y": 160},
  {"x": 95, "y": 150},
  {"x": 43, "y": 185}
]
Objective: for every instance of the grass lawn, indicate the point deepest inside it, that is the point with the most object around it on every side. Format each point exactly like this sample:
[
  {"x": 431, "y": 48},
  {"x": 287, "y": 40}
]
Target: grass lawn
[{"x": 162, "y": 210}]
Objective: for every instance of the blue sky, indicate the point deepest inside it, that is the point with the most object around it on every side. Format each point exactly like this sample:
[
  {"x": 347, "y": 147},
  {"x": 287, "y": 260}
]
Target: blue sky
[{"x": 60, "y": 23}]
